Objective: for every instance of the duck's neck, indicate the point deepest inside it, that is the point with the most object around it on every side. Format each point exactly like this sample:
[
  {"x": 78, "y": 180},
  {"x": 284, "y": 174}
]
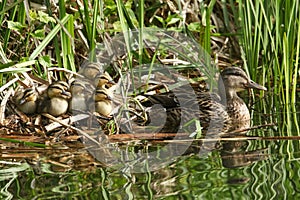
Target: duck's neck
[
  {"x": 236, "y": 108},
  {"x": 228, "y": 96},
  {"x": 231, "y": 96}
]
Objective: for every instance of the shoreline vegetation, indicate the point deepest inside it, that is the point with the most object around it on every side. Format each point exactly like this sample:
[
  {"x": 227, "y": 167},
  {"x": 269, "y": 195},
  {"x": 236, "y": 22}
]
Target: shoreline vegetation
[{"x": 44, "y": 43}]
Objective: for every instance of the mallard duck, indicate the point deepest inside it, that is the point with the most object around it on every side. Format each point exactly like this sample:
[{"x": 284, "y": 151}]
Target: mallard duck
[
  {"x": 56, "y": 101},
  {"x": 219, "y": 112},
  {"x": 103, "y": 101},
  {"x": 26, "y": 100},
  {"x": 233, "y": 80}
]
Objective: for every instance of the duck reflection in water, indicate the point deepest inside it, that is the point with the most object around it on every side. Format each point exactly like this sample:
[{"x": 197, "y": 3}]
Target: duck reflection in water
[{"x": 234, "y": 155}]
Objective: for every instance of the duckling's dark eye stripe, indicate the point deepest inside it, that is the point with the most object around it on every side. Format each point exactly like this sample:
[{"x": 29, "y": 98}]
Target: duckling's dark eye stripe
[
  {"x": 77, "y": 84},
  {"x": 65, "y": 85},
  {"x": 92, "y": 67},
  {"x": 103, "y": 77},
  {"x": 100, "y": 92},
  {"x": 28, "y": 93},
  {"x": 62, "y": 83},
  {"x": 57, "y": 87}
]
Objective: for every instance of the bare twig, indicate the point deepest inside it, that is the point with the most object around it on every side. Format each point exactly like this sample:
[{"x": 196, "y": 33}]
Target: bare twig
[
  {"x": 71, "y": 127},
  {"x": 3, "y": 105}
]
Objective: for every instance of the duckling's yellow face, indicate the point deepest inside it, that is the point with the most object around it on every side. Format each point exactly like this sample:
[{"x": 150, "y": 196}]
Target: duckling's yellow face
[
  {"x": 104, "y": 80},
  {"x": 91, "y": 70},
  {"x": 77, "y": 87},
  {"x": 59, "y": 90},
  {"x": 63, "y": 84},
  {"x": 28, "y": 95},
  {"x": 102, "y": 95}
]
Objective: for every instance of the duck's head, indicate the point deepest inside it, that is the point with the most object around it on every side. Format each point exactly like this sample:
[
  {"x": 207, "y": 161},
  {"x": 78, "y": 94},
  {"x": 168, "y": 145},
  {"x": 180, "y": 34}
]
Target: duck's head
[
  {"x": 104, "y": 80},
  {"x": 59, "y": 89},
  {"x": 28, "y": 95},
  {"x": 233, "y": 80},
  {"x": 90, "y": 70},
  {"x": 77, "y": 87},
  {"x": 103, "y": 94}
]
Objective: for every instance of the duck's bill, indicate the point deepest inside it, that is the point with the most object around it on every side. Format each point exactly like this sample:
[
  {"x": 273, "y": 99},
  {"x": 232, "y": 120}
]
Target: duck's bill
[
  {"x": 22, "y": 101},
  {"x": 66, "y": 94},
  {"x": 254, "y": 85}
]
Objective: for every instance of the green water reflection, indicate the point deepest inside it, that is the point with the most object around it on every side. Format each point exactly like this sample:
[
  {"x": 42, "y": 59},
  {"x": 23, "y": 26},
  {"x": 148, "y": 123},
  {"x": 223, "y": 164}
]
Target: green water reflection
[{"x": 190, "y": 177}]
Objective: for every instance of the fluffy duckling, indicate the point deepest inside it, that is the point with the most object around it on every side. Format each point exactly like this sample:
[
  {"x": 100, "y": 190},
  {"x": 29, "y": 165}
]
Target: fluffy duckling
[
  {"x": 103, "y": 101},
  {"x": 90, "y": 70},
  {"x": 104, "y": 80},
  {"x": 63, "y": 84},
  {"x": 26, "y": 100},
  {"x": 56, "y": 102},
  {"x": 81, "y": 94}
]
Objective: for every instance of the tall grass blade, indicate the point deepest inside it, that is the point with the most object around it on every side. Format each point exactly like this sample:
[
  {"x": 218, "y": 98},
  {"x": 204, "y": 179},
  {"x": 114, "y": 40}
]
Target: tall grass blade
[
  {"x": 93, "y": 31},
  {"x": 49, "y": 37}
]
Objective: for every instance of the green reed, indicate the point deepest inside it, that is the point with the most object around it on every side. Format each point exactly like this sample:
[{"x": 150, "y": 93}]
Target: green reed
[
  {"x": 270, "y": 38},
  {"x": 269, "y": 35},
  {"x": 270, "y": 43},
  {"x": 28, "y": 35}
]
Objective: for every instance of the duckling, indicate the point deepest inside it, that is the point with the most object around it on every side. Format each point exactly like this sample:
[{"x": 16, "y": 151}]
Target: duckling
[
  {"x": 63, "y": 84},
  {"x": 104, "y": 80},
  {"x": 90, "y": 70},
  {"x": 81, "y": 94},
  {"x": 103, "y": 102},
  {"x": 56, "y": 102},
  {"x": 26, "y": 100}
]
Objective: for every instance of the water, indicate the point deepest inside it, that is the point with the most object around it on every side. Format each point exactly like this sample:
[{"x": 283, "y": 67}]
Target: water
[
  {"x": 244, "y": 169},
  {"x": 274, "y": 175}
]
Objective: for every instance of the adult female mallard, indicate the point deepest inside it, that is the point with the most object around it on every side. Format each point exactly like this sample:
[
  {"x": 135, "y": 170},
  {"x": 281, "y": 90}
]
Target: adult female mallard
[{"x": 218, "y": 112}]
